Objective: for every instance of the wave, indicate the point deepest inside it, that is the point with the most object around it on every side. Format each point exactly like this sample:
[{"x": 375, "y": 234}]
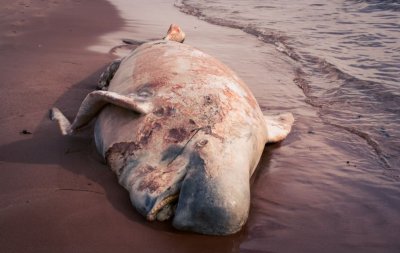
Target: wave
[
  {"x": 312, "y": 72},
  {"x": 378, "y": 5},
  {"x": 276, "y": 38}
]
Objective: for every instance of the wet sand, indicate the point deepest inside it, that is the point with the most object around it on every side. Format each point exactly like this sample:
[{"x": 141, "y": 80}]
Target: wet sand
[{"x": 56, "y": 195}]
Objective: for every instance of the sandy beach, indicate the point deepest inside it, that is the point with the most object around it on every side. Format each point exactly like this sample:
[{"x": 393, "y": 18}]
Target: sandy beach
[{"x": 57, "y": 195}]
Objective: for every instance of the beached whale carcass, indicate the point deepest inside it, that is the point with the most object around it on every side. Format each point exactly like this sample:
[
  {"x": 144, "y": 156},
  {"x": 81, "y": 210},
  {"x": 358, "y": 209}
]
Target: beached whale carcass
[{"x": 182, "y": 132}]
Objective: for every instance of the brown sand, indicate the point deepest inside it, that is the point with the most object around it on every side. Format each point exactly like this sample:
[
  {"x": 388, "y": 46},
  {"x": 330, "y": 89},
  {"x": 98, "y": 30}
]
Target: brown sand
[{"x": 55, "y": 194}]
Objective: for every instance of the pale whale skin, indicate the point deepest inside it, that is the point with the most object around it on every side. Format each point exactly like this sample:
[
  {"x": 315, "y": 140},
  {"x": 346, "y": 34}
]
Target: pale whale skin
[{"x": 183, "y": 134}]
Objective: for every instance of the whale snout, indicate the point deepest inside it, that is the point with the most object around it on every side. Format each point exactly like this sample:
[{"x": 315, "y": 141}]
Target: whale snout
[{"x": 210, "y": 202}]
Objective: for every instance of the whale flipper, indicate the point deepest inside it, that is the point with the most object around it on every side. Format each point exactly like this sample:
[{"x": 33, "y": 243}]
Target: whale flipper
[
  {"x": 278, "y": 126},
  {"x": 92, "y": 105}
]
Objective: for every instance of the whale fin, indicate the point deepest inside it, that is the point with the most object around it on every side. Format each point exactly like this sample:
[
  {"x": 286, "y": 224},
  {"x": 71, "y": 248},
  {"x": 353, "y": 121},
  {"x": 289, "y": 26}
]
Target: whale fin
[
  {"x": 175, "y": 33},
  {"x": 93, "y": 103},
  {"x": 278, "y": 126}
]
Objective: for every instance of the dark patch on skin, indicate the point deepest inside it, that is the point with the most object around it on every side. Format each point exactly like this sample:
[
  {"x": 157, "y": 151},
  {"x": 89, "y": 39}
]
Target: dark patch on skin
[
  {"x": 192, "y": 122},
  {"x": 120, "y": 153},
  {"x": 123, "y": 148},
  {"x": 157, "y": 126},
  {"x": 159, "y": 42},
  {"x": 194, "y": 187},
  {"x": 178, "y": 153},
  {"x": 159, "y": 112},
  {"x": 149, "y": 87},
  {"x": 213, "y": 110},
  {"x": 149, "y": 183},
  {"x": 199, "y": 207},
  {"x": 152, "y": 179},
  {"x": 201, "y": 144},
  {"x": 144, "y": 139},
  {"x": 120, "y": 170},
  {"x": 133, "y": 42},
  {"x": 129, "y": 165},
  {"x": 171, "y": 152},
  {"x": 149, "y": 203},
  {"x": 207, "y": 130},
  {"x": 150, "y": 168},
  {"x": 178, "y": 134},
  {"x": 143, "y": 171},
  {"x": 108, "y": 75},
  {"x": 146, "y": 176},
  {"x": 146, "y": 132},
  {"x": 167, "y": 111},
  {"x": 208, "y": 100},
  {"x": 145, "y": 87},
  {"x": 145, "y": 91}
]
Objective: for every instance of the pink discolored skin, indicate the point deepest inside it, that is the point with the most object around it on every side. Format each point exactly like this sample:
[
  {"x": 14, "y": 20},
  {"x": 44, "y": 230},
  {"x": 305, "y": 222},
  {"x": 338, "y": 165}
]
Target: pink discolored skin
[{"x": 182, "y": 133}]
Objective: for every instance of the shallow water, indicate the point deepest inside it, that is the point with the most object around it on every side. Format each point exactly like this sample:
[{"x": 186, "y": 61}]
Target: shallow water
[{"x": 333, "y": 185}]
